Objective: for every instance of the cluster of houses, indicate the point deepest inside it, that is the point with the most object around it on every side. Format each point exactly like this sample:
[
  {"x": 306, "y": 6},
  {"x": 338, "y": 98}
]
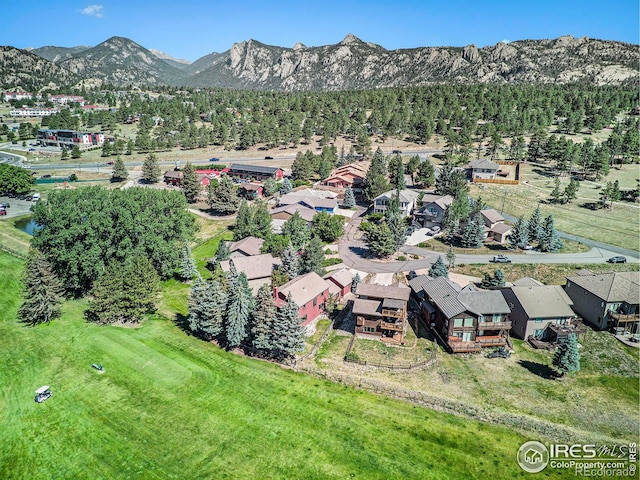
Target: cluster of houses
[
  {"x": 40, "y": 110},
  {"x": 468, "y": 319},
  {"x": 69, "y": 138}
]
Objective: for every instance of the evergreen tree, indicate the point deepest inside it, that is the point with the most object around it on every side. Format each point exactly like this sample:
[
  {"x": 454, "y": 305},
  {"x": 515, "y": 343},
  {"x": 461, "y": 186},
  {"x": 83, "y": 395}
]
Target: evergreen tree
[
  {"x": 438, "y": 269},
  {"x": 150, "y": 169},
  {"x": 290, "y": 262},
  {"x": 191, "y": 185},
  {"x": 75, "y": 152},
  {"x": 354, "y": 283},
  {"x": 349, "y": 198},
  {"x": 42, "y": 291},
  {"x": 65, "y": 154},
  {"x": 396, "y": 173},
  {"x": 240, "y": 304},
  {"x": 243, "y": 227},
  {"x": 312, "y": 257},
  {"x": 395, "y": 222},
  {"x": 297, "y": 230},
  {"x": 222, "y": 253},
  {"x": 571, "y": 190},
  {"x": 287, "y": 334},
  {"x": 451, "y": 181},
  {"x": 380, "y": 240},
  {"x": 328, "y": 227},
  {"x": 286, "y": 187},
  {"x": 222, "y": 196},
  {"x": 263, "y": 322},
  {"x": 425, "y": 175},
  {"x": 498, "y": 278},
  {"x": 519, "y": 236},
  {"x": 549, "y": 239},
  {"x": 451, "y": 257},
  {"x": 556, "y": 194},
  {"x": 188, "y": 268},
  {"x": 535, "y": 225},
  {"x": 567, "y": 357},
  {"x": 269, "y": 187},
  {"x": 207, "y": 301},
  {"x": 261, "y": 220},
  {"x": 473, "y": 233},
  {"x": 119, "y": 172},
  {"x": 375, "y": 181}
]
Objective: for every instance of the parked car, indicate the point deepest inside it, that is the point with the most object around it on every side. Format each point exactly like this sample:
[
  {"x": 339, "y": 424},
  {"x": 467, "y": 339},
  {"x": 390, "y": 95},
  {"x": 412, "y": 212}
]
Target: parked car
[
  {"x": 5, "y": 205},
  {"x": 396, "y": 151},
  {"x": 500, "y": 259},
  {"x": 618, "y": 259},
  {"x": 3, "y": 211},
  {"x": 435, "y": 230},
  {"x": 110, "y": 163},
  {"x": 268, "y": 158},
  {"x": 525, "y": 247},
  {"x": 35, "y": 197},
  {"x": 214, "y": 159},
  {"x": 411, "y": 275},
  {"x": 46, "y": 176}
]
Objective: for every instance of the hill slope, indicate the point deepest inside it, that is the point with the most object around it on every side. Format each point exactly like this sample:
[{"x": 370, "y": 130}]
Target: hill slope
[
  {"x": 29, "y": 71},
  {"x": 57, "y": 54}
]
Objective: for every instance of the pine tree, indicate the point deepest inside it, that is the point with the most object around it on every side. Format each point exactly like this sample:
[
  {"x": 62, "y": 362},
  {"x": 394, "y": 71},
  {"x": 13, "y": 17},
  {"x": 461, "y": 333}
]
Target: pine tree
[
  {"x": 119, "y": 172},
  {"x": 535, "y": 225},
  {"x": 207, "y": 301},
  {"x": 567, "y": 357},
  {"x": 571, "y": 190},
  {"x": 243, "y": 227},
  {"x": 269, "y": 187},
  {"x": 240, "y": 304},
  {"x": 287, "y": 334},
  {"x": 556, "y": 194},
  {"x": 75, "y": 152},
  {"x": 222, "y": 196},
  {"x": 191, "y": 185},
  {"x": 150, "y": 169},
  {"x": 312, "y": 257},
  {"x": 395, "y": 222},
  {"x": 451, "y": 257},
  {"x": 285, "y": 187},
  {"x": 354, "y": 283},
  {"x": 519, "y": 236},
  {"x": 473, "y": 233},
  {"x": 396, "y": 173},
  {"x": 222, "y": 253},
  {"x": 438, "y": 269},
  {"x": 549, "y": 239},
  {"x": 42, "y": 291},
  {"x": 263, "y": 321},
  {"x": 65, "y": 154},
  {"x": 290, "y": 262},
  {"x": 297, "y": 230},
  {"x": 349, "y": 198},
  {"x": 261, "y": 220},
  {"x": 498, "y": 278},
  {"x": 188, "y": 268},
  {"x": 380, "y": 240},
  {"x": 425, "y": 174}
]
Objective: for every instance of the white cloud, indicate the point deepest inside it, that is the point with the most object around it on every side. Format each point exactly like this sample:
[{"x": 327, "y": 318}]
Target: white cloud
[{"x": 93, "y": 11}]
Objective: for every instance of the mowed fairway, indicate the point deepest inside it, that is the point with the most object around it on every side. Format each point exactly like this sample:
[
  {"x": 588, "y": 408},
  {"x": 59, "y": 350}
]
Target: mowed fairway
[{"x": 171, "y": 406}]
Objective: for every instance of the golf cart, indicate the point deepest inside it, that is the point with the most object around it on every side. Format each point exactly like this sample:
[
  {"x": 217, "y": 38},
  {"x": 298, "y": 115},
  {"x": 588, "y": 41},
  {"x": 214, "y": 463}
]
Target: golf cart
[{"x": 42, "y": 394}]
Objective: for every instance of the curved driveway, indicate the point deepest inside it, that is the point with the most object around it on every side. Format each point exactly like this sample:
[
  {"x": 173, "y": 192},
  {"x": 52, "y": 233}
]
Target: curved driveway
[{"x": 355, "y": 254}]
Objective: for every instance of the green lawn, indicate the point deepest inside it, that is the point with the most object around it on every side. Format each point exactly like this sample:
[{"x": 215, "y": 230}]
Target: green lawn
[{"x": 171, "y": 406}]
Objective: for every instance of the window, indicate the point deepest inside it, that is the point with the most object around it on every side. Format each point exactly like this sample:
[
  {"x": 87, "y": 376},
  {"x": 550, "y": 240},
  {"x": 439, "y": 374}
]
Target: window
[
  {"x": 468, "y": 322},
  {"x": 458, "y": 322},
  {"x": 315, "y": 302},
  {"x": 369, "y": 329},
  {"x": 497, "y": 317},
  {"x": 537, "y": 320}
]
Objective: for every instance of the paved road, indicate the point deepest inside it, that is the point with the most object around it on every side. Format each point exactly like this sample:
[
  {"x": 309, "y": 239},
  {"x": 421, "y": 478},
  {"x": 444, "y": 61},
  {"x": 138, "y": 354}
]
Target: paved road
[{"x": 354, "y": 254}]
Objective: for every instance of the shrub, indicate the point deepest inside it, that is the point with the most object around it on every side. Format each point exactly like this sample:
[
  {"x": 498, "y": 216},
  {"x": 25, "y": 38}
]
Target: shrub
[
  {"x": 416, "y": 257},
  {"x": 327, "y": 262},
  {"x": 375, "y": 217},
  {"x": 402, "y": 258}
]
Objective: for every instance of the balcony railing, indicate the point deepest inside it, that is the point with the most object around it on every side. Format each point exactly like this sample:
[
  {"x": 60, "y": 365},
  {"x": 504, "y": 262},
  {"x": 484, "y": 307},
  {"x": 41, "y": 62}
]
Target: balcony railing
[
  {"x": 506, "y": 325},
  {"x": 392, "y": 313},
  {"x": 459, "y": 346},
  {"x": 397, "y": 327},
  {"x": 624, "y": 317},
  {"x": 493, "y": 340}
]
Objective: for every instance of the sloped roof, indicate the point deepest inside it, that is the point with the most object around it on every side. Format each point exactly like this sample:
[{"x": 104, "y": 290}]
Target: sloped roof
[
  {"x": 443, "y": 201},
  {"x": 373, "y": 290},
  {"x": 367, "y": 307},
  {"x": 256, "y": 266},
  {"x": 501, "y": 228},
  {"x": 416, "y": 283},
  {"x": 405, "y": 195},
  {"x": 484, "y": 302},
  {"x": 544, "y": 301},
  {"x": 444, "y": 295},
  {"x": 239, "y": 167},
  {"x": 304, "y": 288},
  {"x": 342, "y": 277},
  {"x": 484, "y": 163},
  {"x": 611, "y": 287},
  {"x": 314, "y": 202},
  {"x": 248, "y": 245},
  {"x": 491, "y": 215},
  {"x": 305, "y": 212},
  {"x": 527, "y": 282}
]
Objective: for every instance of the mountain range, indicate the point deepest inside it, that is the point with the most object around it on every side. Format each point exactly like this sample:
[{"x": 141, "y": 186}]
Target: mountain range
[{"x": 349, "y": 64}]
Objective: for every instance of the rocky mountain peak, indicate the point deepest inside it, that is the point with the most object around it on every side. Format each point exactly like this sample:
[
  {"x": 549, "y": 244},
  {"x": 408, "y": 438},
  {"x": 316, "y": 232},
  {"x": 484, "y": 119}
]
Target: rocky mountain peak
[
  {"x": 299, "y": 46},
  {"x": 350, "y": 39},
  {"x": 470, "y": 53}
]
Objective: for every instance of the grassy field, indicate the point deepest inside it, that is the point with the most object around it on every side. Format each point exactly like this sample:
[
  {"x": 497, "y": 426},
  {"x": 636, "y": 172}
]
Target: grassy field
[
  {"x": 619, "y": 225},
  {"x": 172, "y": 406},
  {"x": 13, "y": 239}
]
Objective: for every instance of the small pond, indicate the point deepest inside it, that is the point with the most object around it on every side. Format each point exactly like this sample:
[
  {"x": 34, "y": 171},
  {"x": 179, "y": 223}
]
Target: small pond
[{"x": 26, "y": 225}]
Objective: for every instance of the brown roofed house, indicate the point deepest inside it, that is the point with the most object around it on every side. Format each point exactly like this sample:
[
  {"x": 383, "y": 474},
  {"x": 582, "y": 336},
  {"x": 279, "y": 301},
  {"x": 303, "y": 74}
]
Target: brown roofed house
[
  {"x": 381, "y": 311},
  {"x": 257, "y": 268}
]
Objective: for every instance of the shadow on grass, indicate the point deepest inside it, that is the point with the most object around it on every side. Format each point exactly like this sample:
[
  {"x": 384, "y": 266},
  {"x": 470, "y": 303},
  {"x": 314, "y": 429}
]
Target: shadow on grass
[
  {"x": 539, "y": 369},
  {"x": 182, "y": 323}
]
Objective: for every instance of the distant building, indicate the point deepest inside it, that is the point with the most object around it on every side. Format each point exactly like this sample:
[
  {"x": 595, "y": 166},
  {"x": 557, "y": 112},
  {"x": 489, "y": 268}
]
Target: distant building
[
  {"x": 280, "y": 215},
  {"x": 495, "y": 227},
  {"x": 70, "y": 138},
  {"x": 254, "y": 172},
  {"x": 482, "y": 168},
  {"x": 66, "y": 99},
  {"x": 17, "y": 95},
  {"x": 33, "y": 112}
]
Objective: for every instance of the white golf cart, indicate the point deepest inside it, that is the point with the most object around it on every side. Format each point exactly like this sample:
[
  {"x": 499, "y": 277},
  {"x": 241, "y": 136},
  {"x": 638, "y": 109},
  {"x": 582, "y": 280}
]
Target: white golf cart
[{"x": 42, "y": 394}]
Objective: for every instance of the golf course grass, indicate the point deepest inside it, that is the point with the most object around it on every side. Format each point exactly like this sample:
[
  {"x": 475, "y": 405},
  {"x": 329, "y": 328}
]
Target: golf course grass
[{"x": 170, "y": 406}]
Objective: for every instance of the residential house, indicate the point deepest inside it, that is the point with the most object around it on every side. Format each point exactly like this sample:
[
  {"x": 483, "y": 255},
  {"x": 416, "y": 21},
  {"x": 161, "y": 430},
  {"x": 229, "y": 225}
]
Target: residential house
[
  {"x": 173, "y": 177},
  {"x": 340, "y": 282},
  {"x": 254, "y": 172},
  {"x": 431, "y": 213},
  {"x": 416, "y": 285},
  {"x": 467, "y": 320},
  {"x": 381, "y": 311},
  {"x": 406, "y": 199},
  {"x": 542, "y": 313},
  {"x": 250, "y": 191},
  {"x": 69, "y": 138},
  {"x": 247, "y": 247},
  {"x": 319, "y": 200},
  {"x": 482, "y": 168},
  {"x": 309, "y": 292},
  {"x": 495, "y": 227},
  {"x": 257, "y": 268},
  {"x": 280, "y": 215},
  {"x": 607, "y": 300},
  {"x": 351, "y": 175}
]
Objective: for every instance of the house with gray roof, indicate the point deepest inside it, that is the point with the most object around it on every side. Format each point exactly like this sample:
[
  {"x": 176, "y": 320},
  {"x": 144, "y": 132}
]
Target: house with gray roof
[
  {"x": 406, "y": 200},
  {"x": 466, "y": 320},
  {"x": 431, "y": 212},
  {"x": 246, "y": 247},
  {"x": 541, "y": 313},
  {"x": 607, "y": 301},
  {"x": 257, "y": 268},
  {"x": 482, "y": 168},
  {"x": 381, "y": 311}
]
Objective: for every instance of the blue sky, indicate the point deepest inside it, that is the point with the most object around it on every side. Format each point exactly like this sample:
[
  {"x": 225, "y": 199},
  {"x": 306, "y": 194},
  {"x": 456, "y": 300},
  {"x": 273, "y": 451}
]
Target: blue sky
[{"x": 193, "y": 28}]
